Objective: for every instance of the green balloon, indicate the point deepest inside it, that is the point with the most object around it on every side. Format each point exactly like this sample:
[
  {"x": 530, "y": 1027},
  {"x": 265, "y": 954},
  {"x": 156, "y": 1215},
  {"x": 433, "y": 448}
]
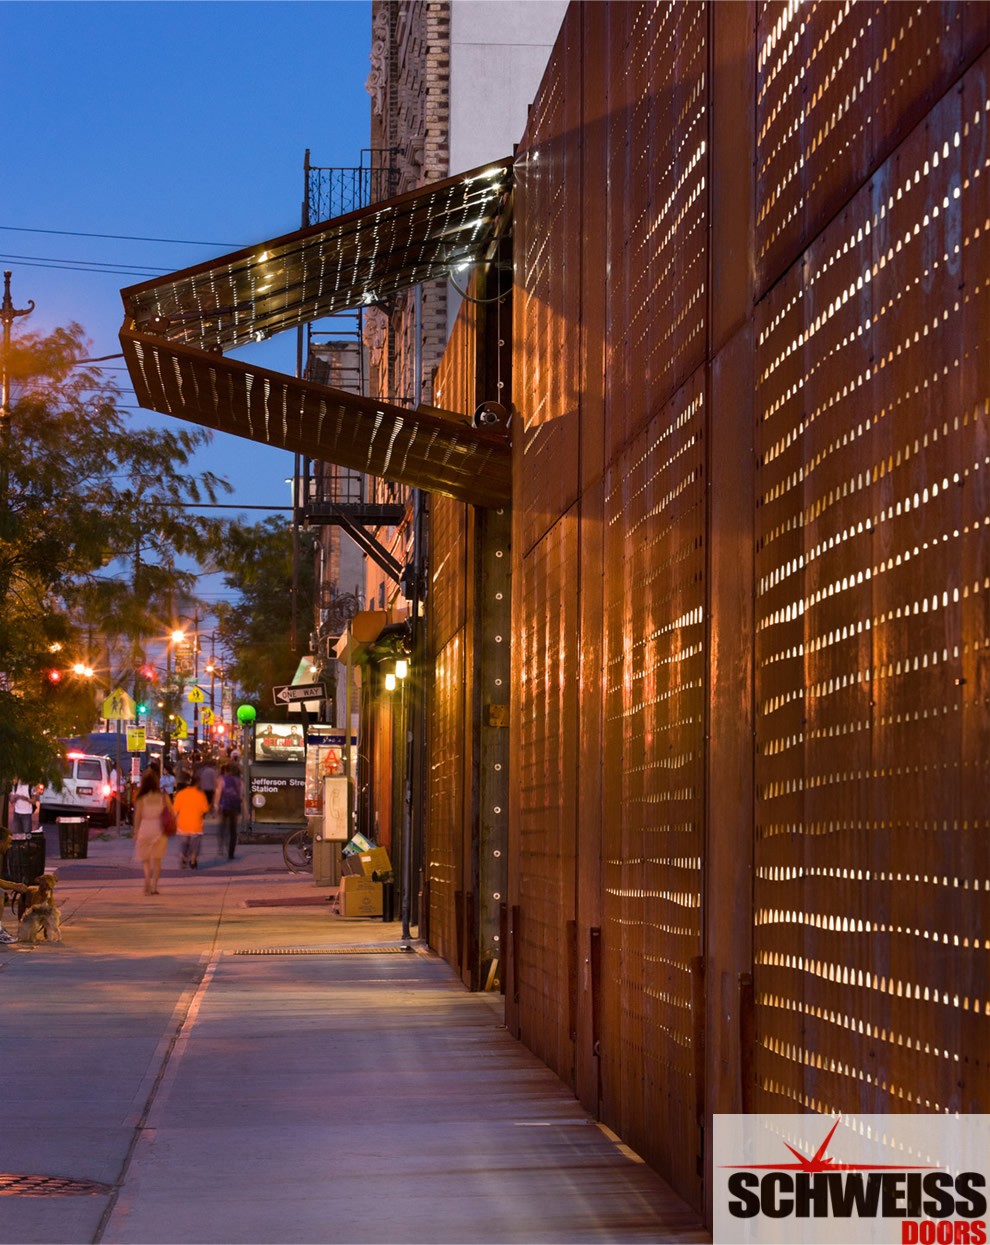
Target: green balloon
[{"x": 246, "y": 714}]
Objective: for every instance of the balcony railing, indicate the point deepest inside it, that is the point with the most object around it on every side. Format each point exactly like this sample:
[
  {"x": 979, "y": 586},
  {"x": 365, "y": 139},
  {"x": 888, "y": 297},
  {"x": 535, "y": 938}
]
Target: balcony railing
[{"x": 335, "y": 191}]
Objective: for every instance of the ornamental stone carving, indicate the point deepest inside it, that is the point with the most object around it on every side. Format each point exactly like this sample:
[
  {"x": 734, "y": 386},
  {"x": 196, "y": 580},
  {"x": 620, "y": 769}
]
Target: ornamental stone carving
[
  {"x": 374, "y": 333},
  {"x": 375, "y": 85}
]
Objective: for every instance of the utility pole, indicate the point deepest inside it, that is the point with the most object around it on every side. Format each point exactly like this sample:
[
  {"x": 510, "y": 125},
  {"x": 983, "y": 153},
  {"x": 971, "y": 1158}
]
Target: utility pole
[
  {"x": 8, "y": 314},
  {"x": 196, "y": 680}
]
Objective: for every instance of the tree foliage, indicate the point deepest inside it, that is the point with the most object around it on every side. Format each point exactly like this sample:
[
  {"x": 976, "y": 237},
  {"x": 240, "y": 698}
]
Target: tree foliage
[
  {"x": 91, "y": 529},
  {"x": 257, "y": 562}
]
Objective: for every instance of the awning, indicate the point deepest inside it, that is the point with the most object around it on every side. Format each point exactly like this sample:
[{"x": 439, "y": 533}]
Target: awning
[{"x": 176, "y": 328}]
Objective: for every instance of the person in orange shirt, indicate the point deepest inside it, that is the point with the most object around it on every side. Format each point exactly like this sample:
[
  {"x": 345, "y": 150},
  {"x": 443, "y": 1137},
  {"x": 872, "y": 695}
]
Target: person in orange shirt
[{"x": 191, "y": 806}]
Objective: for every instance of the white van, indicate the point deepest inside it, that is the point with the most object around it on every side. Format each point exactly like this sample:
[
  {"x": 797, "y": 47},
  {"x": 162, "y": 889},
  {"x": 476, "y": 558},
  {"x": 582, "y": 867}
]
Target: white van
[{"x": 87, "y": 792}]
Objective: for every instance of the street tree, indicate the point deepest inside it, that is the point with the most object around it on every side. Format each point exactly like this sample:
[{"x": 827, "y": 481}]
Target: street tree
[
  {"x": 257, "y": 562},
  {"x": 92, "y": 527}
]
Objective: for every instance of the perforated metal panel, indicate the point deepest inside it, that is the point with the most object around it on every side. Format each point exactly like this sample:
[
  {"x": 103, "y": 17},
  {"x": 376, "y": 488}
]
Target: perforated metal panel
[
  {"x": 546, "y": 769},
  {"x": 547, "y": 300},
  {"x": 867, "y": 305},
  {"x": 449, "y": 755},
  {"x": 448, "y": 569},
  {"x": 657, "y": 168},
  {"x": 446, "y": 794},
  {"x": 837, "y": 86},
  {"x": 653, "y": 830},
  {"x": 872, "y": 824},
  {"x": 649, "y": 63}
]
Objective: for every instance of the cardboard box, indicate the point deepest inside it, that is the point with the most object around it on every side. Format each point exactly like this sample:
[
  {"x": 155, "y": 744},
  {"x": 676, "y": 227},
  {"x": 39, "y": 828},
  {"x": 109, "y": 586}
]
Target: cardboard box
[
  {"x": 376, "y": 861},
  {"x": 360, "y": 897}
]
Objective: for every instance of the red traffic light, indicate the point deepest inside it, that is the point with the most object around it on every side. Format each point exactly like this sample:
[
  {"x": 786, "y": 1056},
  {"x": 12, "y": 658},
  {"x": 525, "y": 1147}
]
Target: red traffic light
[{"x": 53, "y": 675}]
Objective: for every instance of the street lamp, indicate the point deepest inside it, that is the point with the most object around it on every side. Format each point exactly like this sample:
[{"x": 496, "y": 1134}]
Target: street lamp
[{"x": 179, "y": 636}]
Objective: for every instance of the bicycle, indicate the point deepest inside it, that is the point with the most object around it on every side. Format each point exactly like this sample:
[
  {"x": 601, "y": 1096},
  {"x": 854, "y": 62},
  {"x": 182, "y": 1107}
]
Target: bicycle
[{"x": 297, "y": 851}]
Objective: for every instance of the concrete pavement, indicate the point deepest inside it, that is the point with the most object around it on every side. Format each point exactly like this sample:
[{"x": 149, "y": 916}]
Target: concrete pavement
[{"x": 229, "y": 1062}]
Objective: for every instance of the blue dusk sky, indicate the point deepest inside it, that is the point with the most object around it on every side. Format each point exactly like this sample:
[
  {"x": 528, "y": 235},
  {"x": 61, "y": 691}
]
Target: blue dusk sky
[{"x": 176, "y": 131}]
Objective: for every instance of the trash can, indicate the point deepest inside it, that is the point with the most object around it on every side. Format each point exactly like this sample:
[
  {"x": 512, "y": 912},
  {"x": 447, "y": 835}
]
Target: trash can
[
  {"x": 73, "y": 837},
  {"x": 25, "y": 860}
]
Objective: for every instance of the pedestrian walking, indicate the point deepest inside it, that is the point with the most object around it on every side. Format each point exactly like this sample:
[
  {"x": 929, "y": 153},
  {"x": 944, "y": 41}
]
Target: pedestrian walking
[
  {"x": 150, "y": 839},
  {"x": 167, "y": 781},
  {"x": 229, "y": 802},
  {"x": 191, "y": 806},
  {"x": 24, "y": 805},
  {"x": 206, "y": 780}
]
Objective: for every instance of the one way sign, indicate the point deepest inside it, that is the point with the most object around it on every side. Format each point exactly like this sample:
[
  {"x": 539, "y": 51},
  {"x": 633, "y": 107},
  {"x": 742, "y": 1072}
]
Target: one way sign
[{"x": 311, "y": 691}]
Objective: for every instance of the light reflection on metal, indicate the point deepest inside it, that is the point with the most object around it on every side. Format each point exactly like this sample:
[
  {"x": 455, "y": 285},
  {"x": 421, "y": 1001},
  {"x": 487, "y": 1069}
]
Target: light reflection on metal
[
  {"x": 176, "y": 329},
  {"x": 366, "y": 256},
  {"x": 415, "y": 448}
]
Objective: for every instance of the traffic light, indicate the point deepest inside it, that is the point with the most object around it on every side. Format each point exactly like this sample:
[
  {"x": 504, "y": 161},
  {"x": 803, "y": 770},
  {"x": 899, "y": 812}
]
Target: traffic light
[
  {"x": 53, "y": 675},
  {"x": 140, "y": 709}
]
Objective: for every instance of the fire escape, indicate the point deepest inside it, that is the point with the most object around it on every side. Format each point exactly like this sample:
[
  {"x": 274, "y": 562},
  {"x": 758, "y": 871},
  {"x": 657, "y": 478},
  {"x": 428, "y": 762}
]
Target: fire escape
[{"x": 329, "y": 495}]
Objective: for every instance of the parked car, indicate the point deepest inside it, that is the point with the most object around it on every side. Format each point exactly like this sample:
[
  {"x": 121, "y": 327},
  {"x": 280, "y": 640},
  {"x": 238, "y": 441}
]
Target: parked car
[{"x": 87, "y": 791}]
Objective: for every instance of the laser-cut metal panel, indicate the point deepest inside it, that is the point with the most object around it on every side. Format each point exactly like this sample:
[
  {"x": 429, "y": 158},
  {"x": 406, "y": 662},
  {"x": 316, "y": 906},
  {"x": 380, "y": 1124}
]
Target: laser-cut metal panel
[
  {"x": 446, "y": 794},
  {"x": 872, "y": 861},
  {"x": 378, "y": 438},
  {"x": 449, "y": 760},
  {"x": 653, "y": 832},
  {"x": 454, "y": 388},
  {"x": 837, "y": 87},
  {"x": 657, "y": 173},
  {"x": 448, "y": 569},
  {"x": 363, "y": 257},
  {"x": 548, "y": 226},
  {"x": 546, "y": 768}
]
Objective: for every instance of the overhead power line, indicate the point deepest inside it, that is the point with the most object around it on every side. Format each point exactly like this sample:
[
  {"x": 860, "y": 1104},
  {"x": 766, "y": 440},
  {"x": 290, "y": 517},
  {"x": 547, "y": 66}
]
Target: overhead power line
[
  {"x": 118, "y": 237},
  {"x": 57, "y": 266},
  {"x": 88, "y": 263}
]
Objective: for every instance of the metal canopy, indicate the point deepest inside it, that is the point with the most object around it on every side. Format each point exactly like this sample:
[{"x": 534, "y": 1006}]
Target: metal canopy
[
  {"x": 362, "y": 258},
  {"x": 176, "y": 328},
  {"x": 419, "y": 450}
]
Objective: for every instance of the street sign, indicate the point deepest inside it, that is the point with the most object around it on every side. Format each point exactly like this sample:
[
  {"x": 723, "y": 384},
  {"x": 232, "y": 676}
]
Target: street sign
[
  {"x": 118, "y": 706},
  {"x": 179, "y": 729},
  {"x": 136, "y": 739},
  {"x": 311, "y": 691},
  {"x": 195, "y": 696},
  {"x": 206, "y": 715}
]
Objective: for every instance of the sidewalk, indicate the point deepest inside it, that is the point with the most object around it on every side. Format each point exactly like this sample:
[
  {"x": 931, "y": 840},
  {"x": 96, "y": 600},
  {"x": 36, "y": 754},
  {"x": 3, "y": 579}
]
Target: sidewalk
[{"x": 228, "y": 1062}]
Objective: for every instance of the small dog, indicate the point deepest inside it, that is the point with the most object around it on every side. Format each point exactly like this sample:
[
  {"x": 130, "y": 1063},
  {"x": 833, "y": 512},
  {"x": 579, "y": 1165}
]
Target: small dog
[{"x": 39, "y": 918}]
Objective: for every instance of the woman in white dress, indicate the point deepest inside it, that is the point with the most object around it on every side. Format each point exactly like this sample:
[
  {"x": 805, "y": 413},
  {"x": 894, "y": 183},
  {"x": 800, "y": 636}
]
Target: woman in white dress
[{"x": 150, "y": 839}]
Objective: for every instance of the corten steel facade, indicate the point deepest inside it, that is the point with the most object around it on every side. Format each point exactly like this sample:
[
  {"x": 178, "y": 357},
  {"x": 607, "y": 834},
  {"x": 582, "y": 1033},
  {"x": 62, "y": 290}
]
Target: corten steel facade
[
  {"x": 469, "y": 642},
  {"x": 748, "y": 843}
]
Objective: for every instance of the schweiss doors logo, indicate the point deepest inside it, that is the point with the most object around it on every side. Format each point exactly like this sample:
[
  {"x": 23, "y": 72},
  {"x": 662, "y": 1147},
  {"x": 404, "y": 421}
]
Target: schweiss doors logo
[{"x": 901, "y": 1179}]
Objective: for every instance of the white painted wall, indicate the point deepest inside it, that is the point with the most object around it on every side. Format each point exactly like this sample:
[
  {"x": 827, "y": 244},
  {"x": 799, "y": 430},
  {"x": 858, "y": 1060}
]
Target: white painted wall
[{"x": 498, "y": 53}]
